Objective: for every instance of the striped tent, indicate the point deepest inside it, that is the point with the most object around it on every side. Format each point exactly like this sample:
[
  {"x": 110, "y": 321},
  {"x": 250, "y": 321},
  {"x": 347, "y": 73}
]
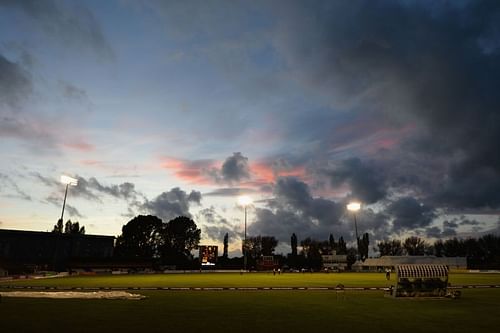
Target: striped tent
[{"x": 422, "y": 271}]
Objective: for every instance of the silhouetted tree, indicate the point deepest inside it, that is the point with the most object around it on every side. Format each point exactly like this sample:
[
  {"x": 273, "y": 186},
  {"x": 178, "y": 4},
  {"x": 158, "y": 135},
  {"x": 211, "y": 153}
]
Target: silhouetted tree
[
  {"x": 438, "y": 248},
  {"x": 73, "y": 228},
  {"x": 177, "y": 238},
  {"x": 342, "y": 246},
  {"x": 311, "y": 252},
  {"x": 149, "y": 238},
  {"x": 351, "y": 256},
  {"x": 415, "y": 246},
  {"x": 226, "y": 242},
  {"x": 332, "y": 244},
  {"x": 364, "y": 244},
  {"x": 293, "y": 244},
  {"x": 269, "y": 243},
  {"x": 390, "y": 247},
  {"x": 58, "y": 227},
  {"x": 140, "y": 238},
  {"x": 261, "y": 245},
  {"x": 69, "y": 228}
]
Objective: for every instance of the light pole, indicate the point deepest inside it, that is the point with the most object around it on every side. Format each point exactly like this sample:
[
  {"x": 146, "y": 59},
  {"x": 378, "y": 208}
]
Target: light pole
[
  {"x": 244, "y": 201},
  {"x": 354, "y": 207},
  {"x": 68, "y": 181}
]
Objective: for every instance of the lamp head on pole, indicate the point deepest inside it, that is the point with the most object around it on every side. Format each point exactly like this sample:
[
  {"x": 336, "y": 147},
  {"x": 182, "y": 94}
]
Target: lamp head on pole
[
  {"x": 67, "y": 180},
  {"x": 354, "y": 206},
  {"x": 245, "y": 200}
]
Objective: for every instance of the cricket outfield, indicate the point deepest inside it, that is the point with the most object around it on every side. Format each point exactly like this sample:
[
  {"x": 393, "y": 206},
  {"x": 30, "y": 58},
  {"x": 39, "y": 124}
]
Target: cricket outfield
[{"x": 252, "y": 311}]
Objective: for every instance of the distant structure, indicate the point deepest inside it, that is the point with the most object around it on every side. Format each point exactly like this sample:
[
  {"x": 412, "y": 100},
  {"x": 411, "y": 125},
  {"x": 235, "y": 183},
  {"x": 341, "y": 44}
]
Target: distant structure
[
  {"x": 31, "y": 251},
  {"x": 390, "y": 262},
  {"x": 266, "y": 263},
  {"x": 334, "y": 262}
]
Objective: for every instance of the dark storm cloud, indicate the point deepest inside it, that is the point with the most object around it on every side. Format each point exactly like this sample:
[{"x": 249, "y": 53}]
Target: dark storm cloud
[
  {"x": 434, "y": 64},
  {"x": 235, "y": 168},
  {"x": 73, "y": 25},
  {"x": 295, "y": 210},
  {"x": 409, "y": 214},
  {"x": 170, "y": 204},
  {"x": 15, "y": 83},
  {"x": 450, "y": 224},
  {"x": 470, "y": 222},
  {"x": 365, "y": 180}
]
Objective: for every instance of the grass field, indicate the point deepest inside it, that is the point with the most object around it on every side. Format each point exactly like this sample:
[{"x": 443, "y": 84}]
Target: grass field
[
  {"x": 245, "y": 280},
  {"x": 253, "y": 311}
]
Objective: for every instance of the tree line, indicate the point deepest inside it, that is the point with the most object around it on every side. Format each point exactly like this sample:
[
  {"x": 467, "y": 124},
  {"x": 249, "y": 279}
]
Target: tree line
[{"x": 147, "y": 237}]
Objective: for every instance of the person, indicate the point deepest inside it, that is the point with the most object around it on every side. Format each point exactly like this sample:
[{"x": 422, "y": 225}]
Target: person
[
  {"x": 388, "y": 274},
  {"x": 279, "y": 271},
  {"x": 274, "y": 271}
]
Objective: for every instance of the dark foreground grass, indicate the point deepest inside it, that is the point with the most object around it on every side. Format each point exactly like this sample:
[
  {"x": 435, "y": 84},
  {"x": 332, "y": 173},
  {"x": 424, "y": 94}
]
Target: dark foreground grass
[{"x": 251, "y": 311}]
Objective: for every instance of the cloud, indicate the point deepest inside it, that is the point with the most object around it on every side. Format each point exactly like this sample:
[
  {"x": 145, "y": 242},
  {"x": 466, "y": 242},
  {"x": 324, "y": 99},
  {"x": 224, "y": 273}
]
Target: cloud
[
  {"x": 430, "y": 64},
  {"x": 294, "y": 210},
  {"x": 87, "y": 188},
  {"x": 15, "y": 83},
  {"x": 215, "y": 226},
  {"x": 7, "y": 183},
  {"x": 58, "y": 202},
  {"x": 408, "y": 214},
  {"x": 365, "y": 180},
  {"x": 74, "y": 93},
  {"x": 91, "y": 189},
  {"x": 170, "y": 204},
  {"x": 229, "y": 192},
  {"x": 74, "y": 25},
  {"x": 234, "y": 169},
  {"x": 190, "y": 171}
]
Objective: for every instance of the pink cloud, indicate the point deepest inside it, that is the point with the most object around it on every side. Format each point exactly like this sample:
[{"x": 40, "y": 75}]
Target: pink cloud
[
  {"x": 80, "y": 146},
  {"x": 264, "y": 173},
  {"x": 192, "y": 172}
]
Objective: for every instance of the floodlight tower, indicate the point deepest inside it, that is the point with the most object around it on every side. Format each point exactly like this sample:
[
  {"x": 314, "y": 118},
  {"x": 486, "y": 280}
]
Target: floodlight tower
[
  {"x": 354, "y": 207},
  {"x": 245, "y": 201},
  {"x": 68, "y": 181}
]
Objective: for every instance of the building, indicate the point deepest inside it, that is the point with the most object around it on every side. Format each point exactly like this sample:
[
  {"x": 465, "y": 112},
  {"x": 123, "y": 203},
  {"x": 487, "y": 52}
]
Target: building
[
  {"x": 29, "y": 251},
  {"x": 390, "y": 262},
  {"x": 334, "y": 262}
]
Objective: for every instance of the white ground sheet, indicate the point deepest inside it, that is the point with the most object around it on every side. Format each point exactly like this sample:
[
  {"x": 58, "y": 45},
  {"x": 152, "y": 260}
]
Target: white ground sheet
[{"x": 73, "y": 294}]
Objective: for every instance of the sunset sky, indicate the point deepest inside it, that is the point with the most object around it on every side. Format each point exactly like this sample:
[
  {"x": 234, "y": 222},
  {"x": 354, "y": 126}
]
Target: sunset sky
[{"x": 178, "y": 107}]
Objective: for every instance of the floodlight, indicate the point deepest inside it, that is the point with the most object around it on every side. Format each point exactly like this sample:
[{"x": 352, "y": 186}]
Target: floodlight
[
  {"x": 354, "y": 206},
  {"x": 244, "y": 200},
  {"x": 67, "y": 180}
]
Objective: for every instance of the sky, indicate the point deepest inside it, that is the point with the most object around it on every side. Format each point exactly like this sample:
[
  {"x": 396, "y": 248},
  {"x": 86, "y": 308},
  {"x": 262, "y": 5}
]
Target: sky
[{"x": 178, "y": 107}]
